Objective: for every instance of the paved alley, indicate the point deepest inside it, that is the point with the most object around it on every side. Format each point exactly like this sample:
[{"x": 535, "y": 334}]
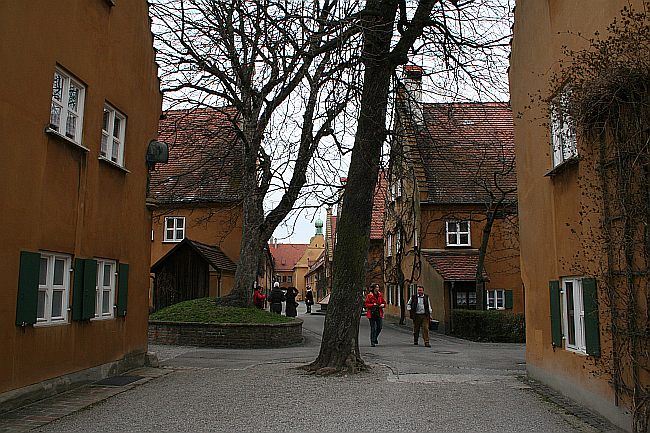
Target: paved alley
[{"x": 455, "y": 386}]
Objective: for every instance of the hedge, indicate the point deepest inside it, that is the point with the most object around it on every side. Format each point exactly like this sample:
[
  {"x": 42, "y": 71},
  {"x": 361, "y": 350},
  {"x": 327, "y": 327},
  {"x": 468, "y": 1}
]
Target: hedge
[{"x": 489, "y": 326}]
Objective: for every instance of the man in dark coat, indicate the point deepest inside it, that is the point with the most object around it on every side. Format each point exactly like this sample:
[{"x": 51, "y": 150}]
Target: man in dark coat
[
  {"x": 420, "y": 311},
  {"x": 290, "y": 307},
  {"x": 309, "y": 299},
  {"x": 276, "y": 298}
]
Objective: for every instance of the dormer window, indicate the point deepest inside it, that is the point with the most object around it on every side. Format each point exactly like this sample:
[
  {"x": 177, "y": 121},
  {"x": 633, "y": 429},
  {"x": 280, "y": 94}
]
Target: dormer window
[{"x": 458, "y": 234}]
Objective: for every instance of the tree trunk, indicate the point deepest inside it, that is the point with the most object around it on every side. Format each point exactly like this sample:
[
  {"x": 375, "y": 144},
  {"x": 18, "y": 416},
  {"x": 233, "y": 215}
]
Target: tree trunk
[
  {"x": 251, "y": 248},
  {"x": 482, "y": 251},
  {"x": 251, "y": 252},
  {"x": 339, "y": 349}
]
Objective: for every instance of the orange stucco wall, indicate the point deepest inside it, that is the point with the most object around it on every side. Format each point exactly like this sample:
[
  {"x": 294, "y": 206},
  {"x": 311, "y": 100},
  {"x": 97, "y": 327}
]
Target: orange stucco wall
[
  {"x": 502, "y": 256},
  {"x": 549, "y": 207},
  {"x": 313, "y": 251},
  {"x": 217, "y": 224},
  {"x": 59, "y": 197}
]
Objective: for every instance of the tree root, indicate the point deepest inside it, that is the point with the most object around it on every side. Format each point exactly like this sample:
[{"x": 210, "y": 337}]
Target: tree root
[{"x": 351, "y": 365}]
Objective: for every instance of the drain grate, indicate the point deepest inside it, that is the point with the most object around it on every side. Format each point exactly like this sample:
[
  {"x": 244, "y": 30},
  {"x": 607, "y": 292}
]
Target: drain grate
[{"x": 118, "y": 380}]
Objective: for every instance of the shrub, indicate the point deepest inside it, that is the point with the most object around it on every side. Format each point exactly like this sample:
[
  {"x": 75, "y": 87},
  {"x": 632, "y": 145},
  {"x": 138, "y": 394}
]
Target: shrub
[{"x": 489, "y": 326}]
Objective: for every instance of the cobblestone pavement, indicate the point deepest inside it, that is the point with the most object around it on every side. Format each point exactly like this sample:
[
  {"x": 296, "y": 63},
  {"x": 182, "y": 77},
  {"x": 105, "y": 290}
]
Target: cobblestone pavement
[{"x": 455, "y": 386}]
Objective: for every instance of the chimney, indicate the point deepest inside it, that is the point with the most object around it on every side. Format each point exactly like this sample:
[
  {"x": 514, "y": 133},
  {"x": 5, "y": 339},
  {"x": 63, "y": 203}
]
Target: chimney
[{"x": 413, "y": 86}]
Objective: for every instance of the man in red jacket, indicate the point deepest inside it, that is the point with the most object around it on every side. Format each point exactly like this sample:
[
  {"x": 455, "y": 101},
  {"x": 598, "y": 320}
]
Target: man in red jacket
[{"x": 374, "y": 312}]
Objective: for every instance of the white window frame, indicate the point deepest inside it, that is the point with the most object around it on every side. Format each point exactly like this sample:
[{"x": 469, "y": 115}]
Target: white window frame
[
  {"x": 493, "y": 298},
  {"x": 289, "y": 279},
  {"x": 47, "y": 288},
  {"x": 398, "y": 242},
  {"x": 571, "y": 290},
  {"x": 564, "y": 143},
  {"x": 389, "y": 245},
  {"x": 458, "y": 233},
  {"x": 396, "y": 189},
  {"x": 60, "y": 124},
  {"x": 112, "y": 145},
  {"x": 101, "y": 289},
  {"x": 174, "y": 229}
]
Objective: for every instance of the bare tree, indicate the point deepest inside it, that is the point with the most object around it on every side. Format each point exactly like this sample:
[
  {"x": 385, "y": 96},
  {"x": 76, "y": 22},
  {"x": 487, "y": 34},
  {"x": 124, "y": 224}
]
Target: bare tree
[
  {"x": 269, "y": 60},
  {"x": 390, "y": 29}
]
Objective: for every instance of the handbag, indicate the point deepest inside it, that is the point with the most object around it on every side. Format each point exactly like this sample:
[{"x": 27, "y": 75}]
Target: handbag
[{"x": 374, "y": 312}]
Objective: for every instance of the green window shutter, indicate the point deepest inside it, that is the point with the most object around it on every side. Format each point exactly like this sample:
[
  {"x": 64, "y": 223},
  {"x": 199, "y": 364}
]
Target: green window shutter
[
  {"x": 592, "y": 328},
  {"x": 28, "y": 276},
  {"x": 123, "y": 289},
  {"x": 508, "y": 300},
  {"x": 77, "y": 289},
  {"x": 89, "y": 289},
  {"x": 556, "y": 323}
]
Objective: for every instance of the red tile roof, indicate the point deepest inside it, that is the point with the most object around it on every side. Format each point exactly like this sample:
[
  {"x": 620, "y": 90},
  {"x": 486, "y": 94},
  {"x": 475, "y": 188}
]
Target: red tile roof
[
  {"x": 379, "y": 203},
  {"x": 286, "y": 256},
  {"x": 454, "y": 266},
  {"x": 212, "y": 254},
  {"x": 462, "y": 146},
  {"x": 204, "y": 157}
]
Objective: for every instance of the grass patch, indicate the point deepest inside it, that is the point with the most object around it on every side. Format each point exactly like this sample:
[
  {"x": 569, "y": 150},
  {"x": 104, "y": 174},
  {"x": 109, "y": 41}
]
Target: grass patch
[{"x": 205, "y": 310}]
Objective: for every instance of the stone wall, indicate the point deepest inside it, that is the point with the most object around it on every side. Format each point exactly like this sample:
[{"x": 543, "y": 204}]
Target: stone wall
[{"x": 226, "y": 335}]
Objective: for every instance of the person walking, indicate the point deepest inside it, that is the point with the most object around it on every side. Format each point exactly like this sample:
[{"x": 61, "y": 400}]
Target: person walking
[
  {"x": 290, "y": 307},
  {"x": 309, "y": 299},
  {"x": 419, "y": 308},
  {"x": 375, "y": 304},
  {"x": 276, "y": 298},
  {"x": 258, "y": 298}
]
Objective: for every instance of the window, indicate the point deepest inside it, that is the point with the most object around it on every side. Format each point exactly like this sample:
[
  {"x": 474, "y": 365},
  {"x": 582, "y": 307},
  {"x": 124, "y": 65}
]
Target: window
[
  {"x": 465, "y": 300},
  {"x": 389, "y": 293},
  {"x": 53, "y": 288},
  {"x": 563, "y": 130},
  {"x": 458, "y": 233},
  {"x": 398, "y": 241},
  {"x": 573, "y": 314},
  {"x": 395, "y": 190},
  {"x": 105, "y": 289},
  {"x": 174, "y": 229},
  {"x": 66, "y": 114},
  {"x": 496, "y": 299},
  {"x": 289, "y": 279},
  {"x": 389, "y": 245},
  {"x": 113, "y": 127}
]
